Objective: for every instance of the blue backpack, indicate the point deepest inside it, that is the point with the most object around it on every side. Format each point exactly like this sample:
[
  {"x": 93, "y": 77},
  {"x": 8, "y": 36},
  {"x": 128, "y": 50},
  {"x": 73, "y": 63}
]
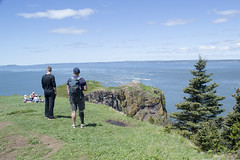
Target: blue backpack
[{"x": 75, "y": 87}]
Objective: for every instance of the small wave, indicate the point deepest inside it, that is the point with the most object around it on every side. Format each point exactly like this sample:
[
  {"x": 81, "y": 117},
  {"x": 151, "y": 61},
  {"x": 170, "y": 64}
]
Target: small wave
[
  {"x": 120, "y": 82},
  {"x": 142, "y": 79}
]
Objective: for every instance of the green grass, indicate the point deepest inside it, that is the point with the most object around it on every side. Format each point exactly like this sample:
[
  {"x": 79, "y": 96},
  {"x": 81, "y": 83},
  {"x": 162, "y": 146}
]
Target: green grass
[
  {"x": 95, "y": 85},
  {"x": 99, "y": 140},
  {"x": 92, "y": 86},
  {"x": 149, "y": 89}
]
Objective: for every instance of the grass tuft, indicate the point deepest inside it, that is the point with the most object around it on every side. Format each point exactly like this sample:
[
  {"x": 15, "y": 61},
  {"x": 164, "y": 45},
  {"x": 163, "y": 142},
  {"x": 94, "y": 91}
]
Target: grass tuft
[{"x": 21, "y": 111}]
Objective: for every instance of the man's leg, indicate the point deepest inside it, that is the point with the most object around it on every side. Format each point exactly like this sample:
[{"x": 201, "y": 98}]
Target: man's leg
[
  {"x": 51, "y": 105},
  {"x": 81, "y": 115},
  {"x": 73, "y": 118},
  {"x": 81, "y": 106},
  {"x": 73, "y": 108},
  {"x": 46, "y": 105}
]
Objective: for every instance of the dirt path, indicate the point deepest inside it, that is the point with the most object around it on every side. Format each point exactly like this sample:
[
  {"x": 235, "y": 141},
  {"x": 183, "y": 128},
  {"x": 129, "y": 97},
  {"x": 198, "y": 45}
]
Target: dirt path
[
  {"x": 12, "y": 143},
  {"x": 5, "y": 124},
  {"x": 50, "y": 143}
]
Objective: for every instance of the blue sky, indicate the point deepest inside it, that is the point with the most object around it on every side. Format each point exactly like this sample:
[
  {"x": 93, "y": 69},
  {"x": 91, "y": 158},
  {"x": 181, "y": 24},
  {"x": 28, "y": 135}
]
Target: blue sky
[{"x": 66, "y": 31}]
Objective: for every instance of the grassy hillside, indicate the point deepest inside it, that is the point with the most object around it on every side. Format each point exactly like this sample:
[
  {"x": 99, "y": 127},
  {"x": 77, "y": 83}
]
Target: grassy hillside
[
  {"x": 99, "y": 140},
  {"x": 92, "y": 85},
  {"x": 95, "y": 85}
]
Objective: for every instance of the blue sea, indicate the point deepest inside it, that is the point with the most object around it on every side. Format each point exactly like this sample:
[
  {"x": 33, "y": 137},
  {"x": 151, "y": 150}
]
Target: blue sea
[{"x": 169, "y": 76}]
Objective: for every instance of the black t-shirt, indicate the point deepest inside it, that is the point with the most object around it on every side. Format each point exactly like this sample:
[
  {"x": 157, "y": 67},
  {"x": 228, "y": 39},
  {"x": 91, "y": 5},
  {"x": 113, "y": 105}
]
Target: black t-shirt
[{"x": 48, "y": 83}]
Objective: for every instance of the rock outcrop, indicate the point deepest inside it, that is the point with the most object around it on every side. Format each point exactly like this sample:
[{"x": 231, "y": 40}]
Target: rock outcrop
[{"x": 133, "y": 99}]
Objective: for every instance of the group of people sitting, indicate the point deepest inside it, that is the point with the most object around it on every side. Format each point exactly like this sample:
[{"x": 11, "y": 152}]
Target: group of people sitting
[{"x": 32, "y": 98}]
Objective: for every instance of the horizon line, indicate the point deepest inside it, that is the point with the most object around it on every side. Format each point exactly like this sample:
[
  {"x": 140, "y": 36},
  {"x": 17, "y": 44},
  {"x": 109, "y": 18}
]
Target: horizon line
[{"x": 116, "y": 62}]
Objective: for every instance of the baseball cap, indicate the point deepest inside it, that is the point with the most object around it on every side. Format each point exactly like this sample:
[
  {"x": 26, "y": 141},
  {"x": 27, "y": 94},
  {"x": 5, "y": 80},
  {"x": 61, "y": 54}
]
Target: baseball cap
[{"x": 76, "y": 70}]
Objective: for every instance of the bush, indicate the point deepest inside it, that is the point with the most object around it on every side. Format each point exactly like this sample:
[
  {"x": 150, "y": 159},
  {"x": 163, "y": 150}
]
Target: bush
[
  {"x": 208, "y": 137},
  {"x": 231, "y": 128},
  {"x": 235, "y": 136},
  {"x": 151, "y": 120},
  {"x": 185, "y": 133},
  {"x": 167, "y": 128}
]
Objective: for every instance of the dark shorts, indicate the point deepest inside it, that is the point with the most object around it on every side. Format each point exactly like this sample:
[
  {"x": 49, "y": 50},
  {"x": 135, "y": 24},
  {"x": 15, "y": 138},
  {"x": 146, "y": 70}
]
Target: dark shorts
[{"x": 76, "y": 102}]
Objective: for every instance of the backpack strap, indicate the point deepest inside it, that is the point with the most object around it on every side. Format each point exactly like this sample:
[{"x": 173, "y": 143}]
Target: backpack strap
[{"x": 78, "y": 78}]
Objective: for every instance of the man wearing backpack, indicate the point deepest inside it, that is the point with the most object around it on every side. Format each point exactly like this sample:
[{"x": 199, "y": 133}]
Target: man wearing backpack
[
  {"x": 75, "y": 87},
  {"x": 49, "y": 86}
]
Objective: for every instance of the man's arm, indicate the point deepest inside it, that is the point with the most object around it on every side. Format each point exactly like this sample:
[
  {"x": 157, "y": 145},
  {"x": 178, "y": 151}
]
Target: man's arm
[
  {"x": 68, "y": 89},
  {"x": 42, "y": 83},
  {"x": 83, "y": 84},
  {"x": 54, "y": 85},
  {"x": 85, "y": 88},
  {"x": 55, "y": 90}
]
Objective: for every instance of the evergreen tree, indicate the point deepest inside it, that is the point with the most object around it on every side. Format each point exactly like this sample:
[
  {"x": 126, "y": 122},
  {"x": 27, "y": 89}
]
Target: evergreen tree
[
  {"x": 202, "y": 104},
  {"x": 231, "y": 128}
]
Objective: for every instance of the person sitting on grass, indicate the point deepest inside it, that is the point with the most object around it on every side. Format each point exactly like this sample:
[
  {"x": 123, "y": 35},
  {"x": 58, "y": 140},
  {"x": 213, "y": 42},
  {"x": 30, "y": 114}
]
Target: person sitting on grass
[
  {"x": 25, "y": 99},
  {"x": 32, "y": 96},
  {"x": 36, "y": 99}
]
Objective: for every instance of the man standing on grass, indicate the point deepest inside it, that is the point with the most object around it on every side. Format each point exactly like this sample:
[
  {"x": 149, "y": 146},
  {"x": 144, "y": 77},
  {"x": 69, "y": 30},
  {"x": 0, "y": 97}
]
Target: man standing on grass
[
  {"x": 49, "y": 86},
  {"x": 75, "y": 87}
]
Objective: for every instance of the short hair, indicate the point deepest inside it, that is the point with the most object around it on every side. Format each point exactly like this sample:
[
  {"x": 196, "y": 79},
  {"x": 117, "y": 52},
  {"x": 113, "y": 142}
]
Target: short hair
[
  {"x": 49, "y": 69},
  {"x": 76, "y": 70}
]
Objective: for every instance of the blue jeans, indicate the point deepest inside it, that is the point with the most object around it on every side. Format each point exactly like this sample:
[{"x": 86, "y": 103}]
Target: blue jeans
[{"x": 49, "y": 105}]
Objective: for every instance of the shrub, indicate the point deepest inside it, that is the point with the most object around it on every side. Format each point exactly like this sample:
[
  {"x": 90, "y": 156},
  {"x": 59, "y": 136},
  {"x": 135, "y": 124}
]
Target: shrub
[
  {"x": 208, "y": 137},
  {"x": 167, "y": 128},
  {"x": 151, "y": 120},
  {"x": 235, "y": 136},
  {"x": 231, "y": 128}
]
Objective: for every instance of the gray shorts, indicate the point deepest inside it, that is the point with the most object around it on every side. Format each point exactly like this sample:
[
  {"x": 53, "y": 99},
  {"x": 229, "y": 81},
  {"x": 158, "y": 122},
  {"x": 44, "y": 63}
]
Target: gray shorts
[{"x": 77, "y": 103}]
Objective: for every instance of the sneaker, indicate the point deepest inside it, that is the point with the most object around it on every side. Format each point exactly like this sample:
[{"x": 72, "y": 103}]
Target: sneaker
[
  {"x": 73, "y": 126},
  {"x": 51, "y": 118},
  {"x": 82, "y": 125}
]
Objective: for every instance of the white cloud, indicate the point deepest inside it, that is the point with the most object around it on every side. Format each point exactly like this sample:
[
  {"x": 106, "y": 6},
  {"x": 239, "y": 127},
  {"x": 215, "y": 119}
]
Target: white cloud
[
  {"x": 220, "y": 47},
  {"x": 60, "y": 14},
  {"x": 35, "y": 49},
  {"x": 224, "y": 48},
  {"x": 220, "y": 20},
  {"x": 207, "y": 47},
  {"x": 78, "y": 45},
  {"x": 84, "y": 45},
  {"x": 177, "y": 22},
  {"x": 70, "y": 30},
  {"x": 227, "y": 12},
  {"x": 224, "y": 42},
  {"x": 183, "y": 48}
]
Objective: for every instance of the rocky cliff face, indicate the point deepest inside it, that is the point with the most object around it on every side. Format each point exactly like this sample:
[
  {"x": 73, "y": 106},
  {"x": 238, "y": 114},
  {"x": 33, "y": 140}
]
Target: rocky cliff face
[{"x": 133, "y": 99}]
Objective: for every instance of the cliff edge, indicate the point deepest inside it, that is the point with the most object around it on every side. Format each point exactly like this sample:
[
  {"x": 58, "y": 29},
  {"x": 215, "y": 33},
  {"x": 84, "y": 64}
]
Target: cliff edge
[{"x": 133, "y": 99}]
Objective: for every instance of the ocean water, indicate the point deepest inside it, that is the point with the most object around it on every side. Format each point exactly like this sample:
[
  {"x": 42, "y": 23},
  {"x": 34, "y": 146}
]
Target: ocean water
[{"x": 169, "y": 76}]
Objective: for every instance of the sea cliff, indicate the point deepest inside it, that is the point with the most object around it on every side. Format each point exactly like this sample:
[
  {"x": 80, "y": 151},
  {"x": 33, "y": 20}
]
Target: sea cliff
[{"x": 133, "y": 99}]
